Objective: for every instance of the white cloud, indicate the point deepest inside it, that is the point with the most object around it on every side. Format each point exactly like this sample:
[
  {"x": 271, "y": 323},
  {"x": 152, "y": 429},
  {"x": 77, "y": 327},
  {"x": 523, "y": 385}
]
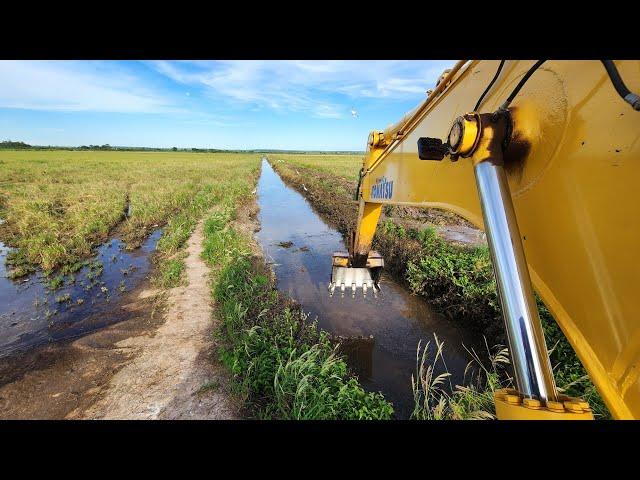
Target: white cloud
[
  {"x": 310, "y": 86},
  {"x": 321, "y": 89},
  {"x": 75, "y": 86}
]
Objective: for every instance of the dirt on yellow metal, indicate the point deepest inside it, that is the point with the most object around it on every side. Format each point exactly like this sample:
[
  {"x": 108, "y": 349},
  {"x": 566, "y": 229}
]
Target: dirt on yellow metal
[{"x": 573, "y": 168}]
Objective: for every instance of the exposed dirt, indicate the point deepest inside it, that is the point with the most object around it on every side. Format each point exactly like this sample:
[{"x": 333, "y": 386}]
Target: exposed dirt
[
  {"x": 52, "y": 382},
  {"x": 173, "y": 374},
  {"x": 157, "y": 362}
]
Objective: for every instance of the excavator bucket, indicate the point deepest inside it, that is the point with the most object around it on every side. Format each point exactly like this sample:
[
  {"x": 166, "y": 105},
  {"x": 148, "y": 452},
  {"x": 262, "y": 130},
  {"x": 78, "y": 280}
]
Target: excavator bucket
[{"x": 344, "y": 276}]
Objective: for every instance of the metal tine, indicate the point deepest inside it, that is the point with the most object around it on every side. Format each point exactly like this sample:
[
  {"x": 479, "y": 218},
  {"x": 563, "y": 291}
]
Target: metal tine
[
  {"x": 342, "y": 290},
  {"x": 364, "y": 289},
  {"x": 353, "y": 290},
  {"x": 332, "y": 287}
]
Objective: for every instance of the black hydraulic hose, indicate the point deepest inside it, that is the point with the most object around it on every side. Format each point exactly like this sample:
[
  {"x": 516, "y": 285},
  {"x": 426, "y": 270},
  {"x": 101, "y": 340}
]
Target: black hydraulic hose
[
  {"x": 486, "y": 90},
  {"x": 629, "y": 97},
  {"x": 521, "y": 83}
]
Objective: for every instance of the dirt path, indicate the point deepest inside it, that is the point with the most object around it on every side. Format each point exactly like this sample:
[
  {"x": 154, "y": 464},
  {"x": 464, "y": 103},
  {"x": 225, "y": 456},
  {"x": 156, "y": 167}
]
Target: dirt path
[{"x": 173, "y": 375}]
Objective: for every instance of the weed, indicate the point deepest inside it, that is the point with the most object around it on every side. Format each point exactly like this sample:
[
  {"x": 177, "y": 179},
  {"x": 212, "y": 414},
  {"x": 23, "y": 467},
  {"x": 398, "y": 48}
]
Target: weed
[
  {"x": 56, "y": 282},
  {"x": 171, "y": 272},
  {"x": 66, "y": 298},
  {"x": 435, "y": 398},
  {"x": 284, "y": 366}
]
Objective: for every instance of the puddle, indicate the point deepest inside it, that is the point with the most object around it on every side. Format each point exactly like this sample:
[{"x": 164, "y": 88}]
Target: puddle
[
  {"x": 396, "y": 320},
  {"x": 31, "y": 314}
]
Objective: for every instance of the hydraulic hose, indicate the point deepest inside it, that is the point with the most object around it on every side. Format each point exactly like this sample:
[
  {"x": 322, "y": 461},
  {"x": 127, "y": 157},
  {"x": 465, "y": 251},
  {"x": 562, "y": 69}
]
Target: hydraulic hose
[
  {"x": 629, "y": 97},
  {"x": 486, "y": 90},
  {"x": 521, "y": 83}
]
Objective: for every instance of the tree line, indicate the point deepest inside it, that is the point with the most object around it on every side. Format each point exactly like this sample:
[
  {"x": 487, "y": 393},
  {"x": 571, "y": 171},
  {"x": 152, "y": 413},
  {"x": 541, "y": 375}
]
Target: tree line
[{"x": 13, "y": 145}]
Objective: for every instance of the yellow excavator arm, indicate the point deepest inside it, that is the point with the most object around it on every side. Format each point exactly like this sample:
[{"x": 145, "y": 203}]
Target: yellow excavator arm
[{"x": 544, "y": 156}]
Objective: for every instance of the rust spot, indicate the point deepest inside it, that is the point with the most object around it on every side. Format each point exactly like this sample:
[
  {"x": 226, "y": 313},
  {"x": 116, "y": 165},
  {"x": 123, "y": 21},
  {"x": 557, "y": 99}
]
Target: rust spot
[
  {"x": 516, "y": 154},
  {"x": 519, "y": 147}
]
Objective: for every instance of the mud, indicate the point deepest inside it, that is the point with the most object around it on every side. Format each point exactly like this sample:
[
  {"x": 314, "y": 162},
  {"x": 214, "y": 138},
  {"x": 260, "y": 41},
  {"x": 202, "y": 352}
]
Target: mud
[
  {"x": 56, "y": 380},
  {"x": 33, "y": 314},
  {"x": 155, "y": 360}
]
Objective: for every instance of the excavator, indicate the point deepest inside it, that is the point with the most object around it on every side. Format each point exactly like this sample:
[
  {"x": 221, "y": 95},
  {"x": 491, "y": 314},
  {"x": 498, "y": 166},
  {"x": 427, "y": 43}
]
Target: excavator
[{"x": 544, "y": 156}]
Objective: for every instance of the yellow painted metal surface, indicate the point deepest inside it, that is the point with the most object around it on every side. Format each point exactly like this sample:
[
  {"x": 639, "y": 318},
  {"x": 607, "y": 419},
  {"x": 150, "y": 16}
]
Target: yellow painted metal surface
[
  {"x": 574, "y": 170},
  {"x": 368, "y": 216},
  {"x": 511, "y": 406}
]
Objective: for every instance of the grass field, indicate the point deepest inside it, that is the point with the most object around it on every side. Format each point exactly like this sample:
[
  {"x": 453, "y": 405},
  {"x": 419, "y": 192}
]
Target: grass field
[
  {"x": 346, "y": 166},
  {"x": 58, "y": 205}
]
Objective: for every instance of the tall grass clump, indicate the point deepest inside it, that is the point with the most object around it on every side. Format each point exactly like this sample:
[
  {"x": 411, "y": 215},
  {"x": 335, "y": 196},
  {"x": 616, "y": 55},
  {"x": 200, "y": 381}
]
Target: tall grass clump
[
  {"x": 459, "y": 281},
  {"x": 283, "y": 366},
  {"x": 435, "y": 398}
]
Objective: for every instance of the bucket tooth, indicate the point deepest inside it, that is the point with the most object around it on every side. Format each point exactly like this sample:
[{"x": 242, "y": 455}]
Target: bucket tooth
[{"x": 365, "y": 277}]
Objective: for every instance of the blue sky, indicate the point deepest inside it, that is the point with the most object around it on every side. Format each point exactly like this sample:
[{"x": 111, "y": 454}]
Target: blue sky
[{"x": 209, "y": 104}]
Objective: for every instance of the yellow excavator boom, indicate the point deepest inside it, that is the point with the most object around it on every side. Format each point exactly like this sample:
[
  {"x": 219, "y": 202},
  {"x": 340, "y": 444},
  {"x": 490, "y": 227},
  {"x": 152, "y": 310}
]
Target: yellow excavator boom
[{"x": 553, "y": 175}]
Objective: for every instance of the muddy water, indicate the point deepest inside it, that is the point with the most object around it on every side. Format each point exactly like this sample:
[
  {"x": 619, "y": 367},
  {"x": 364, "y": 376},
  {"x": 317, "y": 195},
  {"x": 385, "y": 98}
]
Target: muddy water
[
  {"x": 31, "y": 314},
  {"x": 397, "y": 320}
]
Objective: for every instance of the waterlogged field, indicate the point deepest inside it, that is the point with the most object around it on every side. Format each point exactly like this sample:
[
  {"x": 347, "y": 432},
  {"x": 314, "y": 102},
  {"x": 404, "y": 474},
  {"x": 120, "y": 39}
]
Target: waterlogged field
[
  {"x": 81, "y": 229},
  {"x": 454, "y": 276},
  {"x": 56, "y": 206}
]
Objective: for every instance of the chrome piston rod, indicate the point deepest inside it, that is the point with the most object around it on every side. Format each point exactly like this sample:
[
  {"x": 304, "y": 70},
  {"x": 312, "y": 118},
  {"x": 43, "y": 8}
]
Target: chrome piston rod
[{"x": 532, "y": 368}]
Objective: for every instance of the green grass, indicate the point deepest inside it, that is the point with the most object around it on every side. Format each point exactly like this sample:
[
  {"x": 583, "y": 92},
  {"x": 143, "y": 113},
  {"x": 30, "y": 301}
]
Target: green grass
[
  {"x": 458, "y": 280},
  {"x": 436, "y": 398},
  {"x": 347, "y": 166},
  {"x": 283, "y": 366},
  {"x": 59, "y": 205},
  {"x": 171, "y": 272}
]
